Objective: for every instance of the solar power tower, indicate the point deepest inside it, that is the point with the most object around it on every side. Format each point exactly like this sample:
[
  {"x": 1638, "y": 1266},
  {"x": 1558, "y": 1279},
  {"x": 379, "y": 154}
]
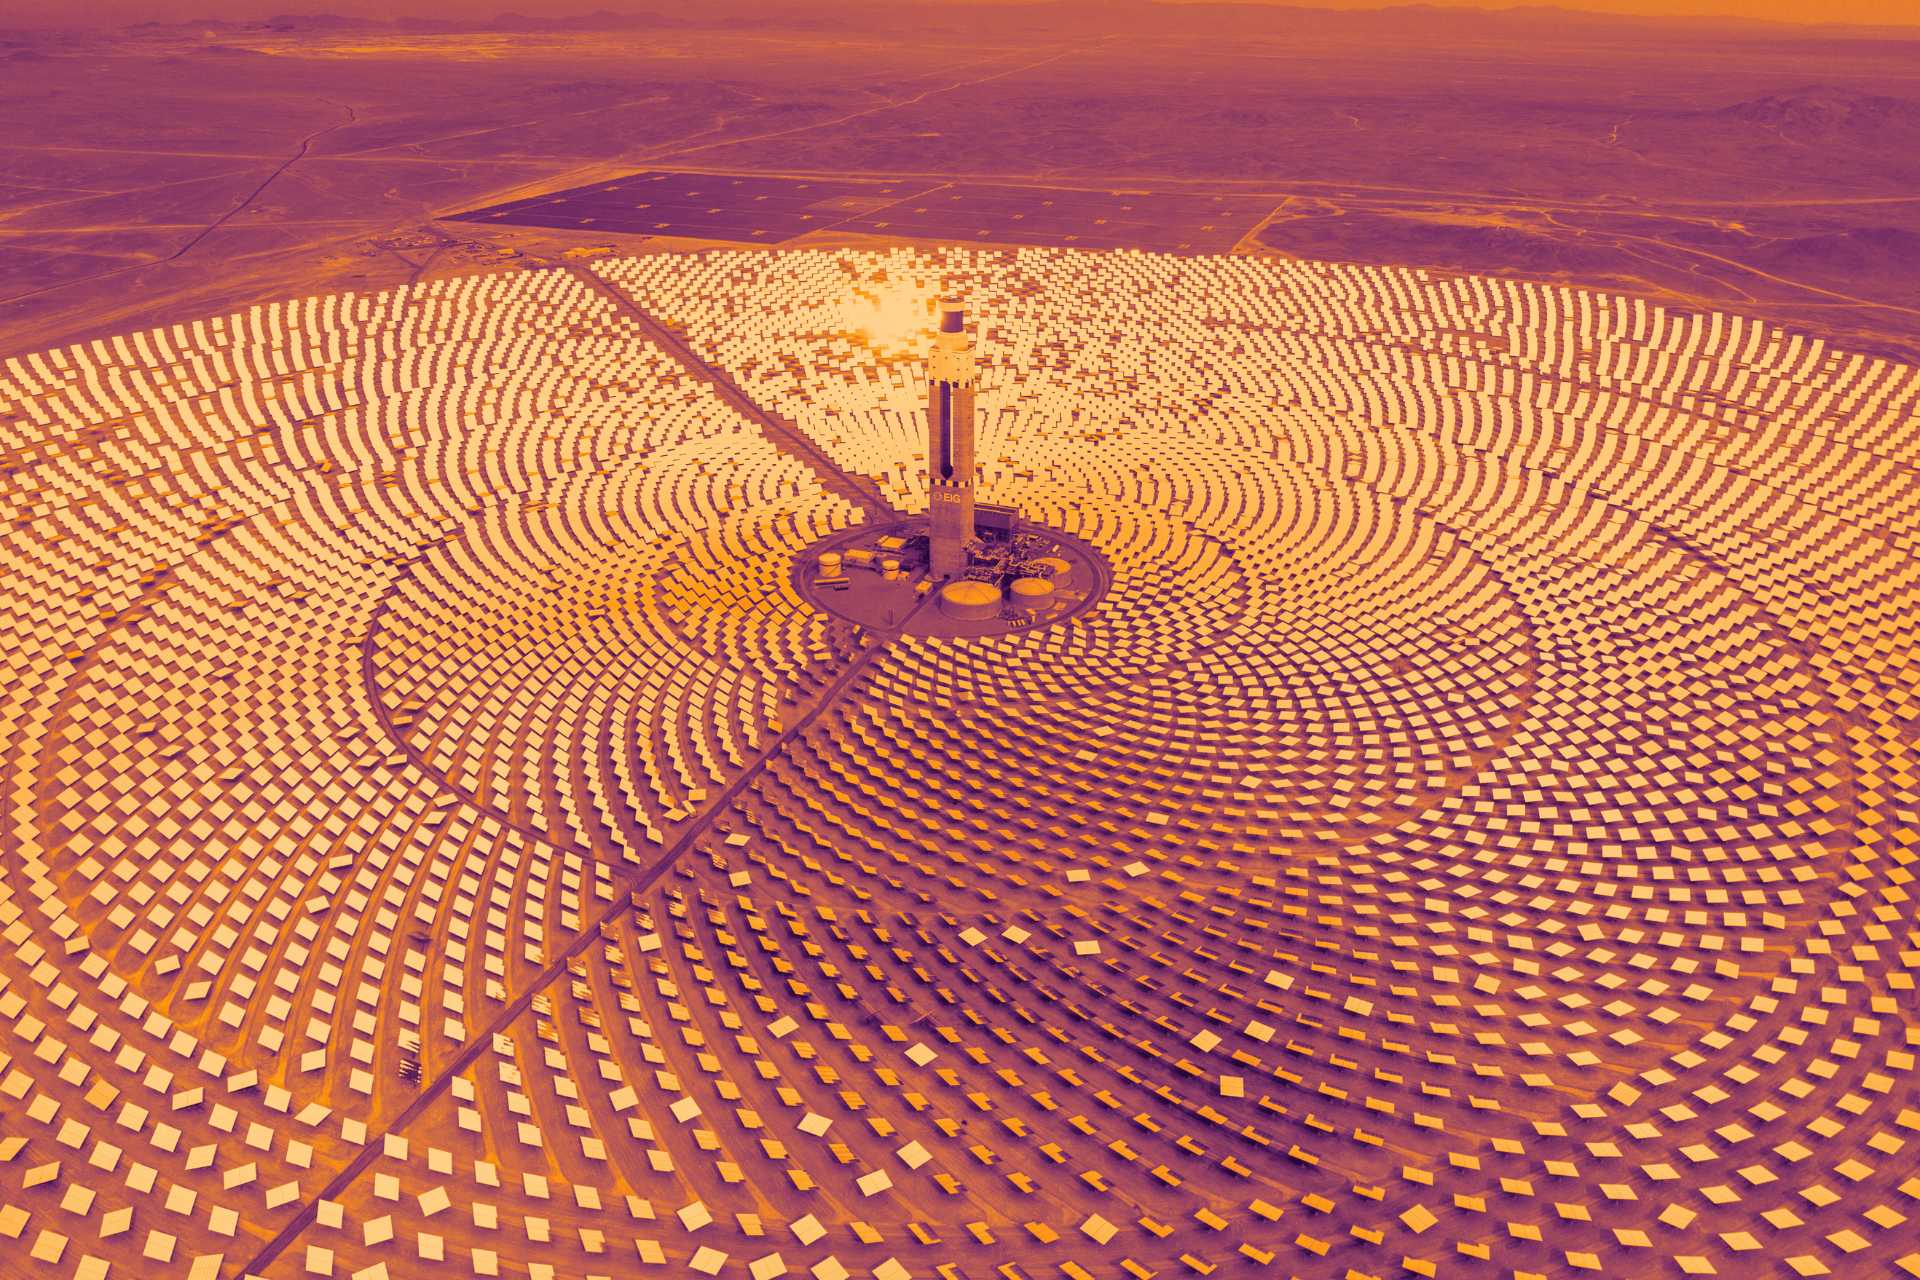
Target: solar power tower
[{"x": 950, "y": 384}]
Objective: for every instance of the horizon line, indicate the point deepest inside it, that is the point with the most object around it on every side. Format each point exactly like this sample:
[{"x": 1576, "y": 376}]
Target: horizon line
[{"x": 588, "y": 9}]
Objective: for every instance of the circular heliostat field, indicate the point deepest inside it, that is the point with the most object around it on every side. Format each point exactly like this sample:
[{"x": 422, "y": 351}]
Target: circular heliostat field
[{"x": 1467, "y": 824}]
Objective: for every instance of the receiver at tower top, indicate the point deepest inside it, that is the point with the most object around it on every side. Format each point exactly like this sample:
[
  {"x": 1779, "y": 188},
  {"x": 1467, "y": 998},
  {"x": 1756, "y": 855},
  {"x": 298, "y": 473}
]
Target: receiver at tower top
[{"x": 950, "y": 384}]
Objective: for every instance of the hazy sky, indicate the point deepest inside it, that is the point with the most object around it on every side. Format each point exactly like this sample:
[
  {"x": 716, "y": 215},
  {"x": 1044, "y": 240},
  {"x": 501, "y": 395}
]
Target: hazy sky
[
  {"x": 1870, "y": 12},
  {"x": 65, "y": 12}
]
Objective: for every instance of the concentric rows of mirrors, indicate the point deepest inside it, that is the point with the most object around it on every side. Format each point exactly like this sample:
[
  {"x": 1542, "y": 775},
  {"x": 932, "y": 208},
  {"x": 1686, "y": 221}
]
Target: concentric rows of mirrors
[{"x": 1472, "y": 834}]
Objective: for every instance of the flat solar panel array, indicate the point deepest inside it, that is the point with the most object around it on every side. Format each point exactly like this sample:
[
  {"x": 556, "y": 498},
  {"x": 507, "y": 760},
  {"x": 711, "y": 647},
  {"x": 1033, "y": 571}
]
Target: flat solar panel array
[
  {"x": 701, "y": 206},
  {"x": 963, "y": 212},
  {"x": 1474, "y": 833},
  {"x": 770, "y": 210}
]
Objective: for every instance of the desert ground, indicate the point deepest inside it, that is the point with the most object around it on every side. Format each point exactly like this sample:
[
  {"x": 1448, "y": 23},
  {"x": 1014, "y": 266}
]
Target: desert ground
[{"x": 178, "y": 170}]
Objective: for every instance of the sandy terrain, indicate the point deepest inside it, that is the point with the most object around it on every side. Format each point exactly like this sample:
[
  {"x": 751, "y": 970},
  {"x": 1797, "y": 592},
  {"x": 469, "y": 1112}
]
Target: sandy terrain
[{"x": 176, "y": 171}]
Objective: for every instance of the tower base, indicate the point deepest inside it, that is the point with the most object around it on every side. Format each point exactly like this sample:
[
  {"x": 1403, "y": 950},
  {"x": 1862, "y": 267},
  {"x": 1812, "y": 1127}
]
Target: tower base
[
  {"x": 880, "y": 577},
  {"x": 946, "y": 558},
  {"x": 949, "y": 528}
]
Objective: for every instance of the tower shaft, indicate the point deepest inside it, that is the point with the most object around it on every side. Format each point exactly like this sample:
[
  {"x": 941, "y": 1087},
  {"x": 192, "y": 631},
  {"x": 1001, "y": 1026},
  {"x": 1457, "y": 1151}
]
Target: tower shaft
[{"x": 950, "y": 468}]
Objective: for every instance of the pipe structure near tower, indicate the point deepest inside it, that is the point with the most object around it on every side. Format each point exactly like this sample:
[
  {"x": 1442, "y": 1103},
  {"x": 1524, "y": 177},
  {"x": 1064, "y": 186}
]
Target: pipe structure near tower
[{"x": 950, "y": 469}]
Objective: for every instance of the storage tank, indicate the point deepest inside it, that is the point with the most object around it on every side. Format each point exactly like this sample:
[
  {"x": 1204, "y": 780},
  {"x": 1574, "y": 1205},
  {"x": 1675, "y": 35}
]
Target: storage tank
[
  {"x": 970, "y": 601},
  {"x": 1032, "y": 594},
  {"x": 1058, "y": 568}
]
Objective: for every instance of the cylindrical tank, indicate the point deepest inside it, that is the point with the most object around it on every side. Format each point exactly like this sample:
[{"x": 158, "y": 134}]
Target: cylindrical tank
[
  {"x": 1032, "y": 594},
  {"x": 1058, "y": 568},
  {"x": 970, "y": 601},
  {"x": 829, "y": 563}
]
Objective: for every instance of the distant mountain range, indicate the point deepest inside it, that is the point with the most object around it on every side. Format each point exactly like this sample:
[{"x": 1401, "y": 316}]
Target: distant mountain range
[
  {"x": 1815, "y": 108},
  {"x": 1208, "y": 14},
  {"x": 325, "y": 23},
  {"x": 1825, "y": 109},
  {"x": 1850, "y": 253}
]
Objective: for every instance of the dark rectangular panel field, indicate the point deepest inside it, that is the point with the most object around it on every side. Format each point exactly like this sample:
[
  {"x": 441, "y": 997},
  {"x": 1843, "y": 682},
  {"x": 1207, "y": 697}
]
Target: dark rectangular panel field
[
  {"x": 1176, "y": 222},
  {"x": 771, "y": 210},
  {"x": 705, "y": 206}
]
